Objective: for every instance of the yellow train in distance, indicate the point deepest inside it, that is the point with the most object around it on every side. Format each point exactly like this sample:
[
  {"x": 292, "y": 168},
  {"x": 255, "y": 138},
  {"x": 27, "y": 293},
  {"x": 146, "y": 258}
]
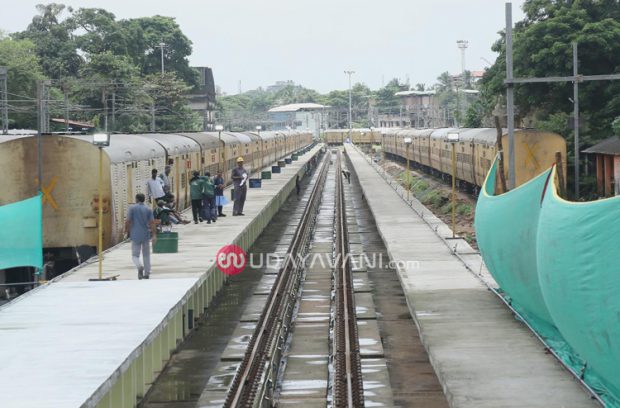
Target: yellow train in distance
[{"x": 429, "y": 150}]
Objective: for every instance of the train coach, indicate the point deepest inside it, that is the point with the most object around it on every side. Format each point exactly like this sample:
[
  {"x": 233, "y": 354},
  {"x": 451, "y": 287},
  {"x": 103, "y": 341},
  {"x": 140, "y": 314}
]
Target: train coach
[
  {"x": 69, "y": 168},
  {"x": 477, "y": 147}
]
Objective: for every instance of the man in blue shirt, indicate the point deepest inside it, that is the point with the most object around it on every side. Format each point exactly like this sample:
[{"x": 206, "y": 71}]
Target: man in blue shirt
[{"x": 140, "y": 225}]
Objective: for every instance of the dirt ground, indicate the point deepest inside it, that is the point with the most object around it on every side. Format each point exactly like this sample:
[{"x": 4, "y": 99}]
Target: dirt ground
[{"x": 436, "y": 194}]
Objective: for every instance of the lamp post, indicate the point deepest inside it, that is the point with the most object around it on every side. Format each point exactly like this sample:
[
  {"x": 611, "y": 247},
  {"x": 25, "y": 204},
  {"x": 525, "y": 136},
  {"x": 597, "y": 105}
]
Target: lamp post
[
  {"x": 408, "y": 141},
  {"x": 262, "y": 144},
  {"x": 100, "y": 140},
  {"x": 219, "y": 129},
  {"x": 453, "y": 139},
  {"x": 349, "y": 73},
  {"x": 383, "y": 133},
  {"x": 289, "y": 133}
]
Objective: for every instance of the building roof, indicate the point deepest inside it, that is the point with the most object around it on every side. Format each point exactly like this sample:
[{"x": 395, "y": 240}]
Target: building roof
[
  {"x": 294, "y": 107},
  {"x": 74, "y": 123},
  {"x": 608, "y": 146},
  {"x": 418, "y": 93}
]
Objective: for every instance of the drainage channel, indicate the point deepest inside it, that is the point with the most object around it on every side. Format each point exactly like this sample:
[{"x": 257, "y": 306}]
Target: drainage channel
[{"x": 198, "y": 359}]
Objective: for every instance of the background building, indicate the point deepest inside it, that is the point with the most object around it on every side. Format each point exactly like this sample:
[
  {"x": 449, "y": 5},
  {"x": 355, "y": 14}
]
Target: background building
[
  {"x": 202, "y": 99},
  {"x": 298, "y": 116}
]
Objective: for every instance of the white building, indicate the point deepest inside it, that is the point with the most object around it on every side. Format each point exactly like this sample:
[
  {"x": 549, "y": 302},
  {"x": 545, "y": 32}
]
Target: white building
[{"x": 299, "y": 116}]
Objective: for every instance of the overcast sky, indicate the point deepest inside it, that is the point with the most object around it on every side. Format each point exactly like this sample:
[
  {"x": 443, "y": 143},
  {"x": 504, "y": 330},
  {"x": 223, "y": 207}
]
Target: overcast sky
[{"x": 313, "y": 42}]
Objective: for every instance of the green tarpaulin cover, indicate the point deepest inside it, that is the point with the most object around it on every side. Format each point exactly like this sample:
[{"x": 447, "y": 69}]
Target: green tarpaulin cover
[
  {"x": 21, "y": 239},
  {"x": 558, "y": 265}
]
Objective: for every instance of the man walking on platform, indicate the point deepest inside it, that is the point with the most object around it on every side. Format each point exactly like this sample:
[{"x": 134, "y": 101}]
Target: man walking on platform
[
  {"x": 239, "y": 178},
  {"x": 196, "y": 190},
  {"x": 140, "y": 226},
  {"x": 220, "y": 200}
]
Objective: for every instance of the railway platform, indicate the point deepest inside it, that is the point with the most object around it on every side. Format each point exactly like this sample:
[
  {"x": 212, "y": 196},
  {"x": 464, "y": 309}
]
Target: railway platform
[
  {"x": 79, "y": 343},
  {"x": 482, "y": 355}
]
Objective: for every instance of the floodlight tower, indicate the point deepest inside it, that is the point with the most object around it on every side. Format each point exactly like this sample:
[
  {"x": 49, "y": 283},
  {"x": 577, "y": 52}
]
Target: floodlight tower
[{"x": 462, "y": 44}]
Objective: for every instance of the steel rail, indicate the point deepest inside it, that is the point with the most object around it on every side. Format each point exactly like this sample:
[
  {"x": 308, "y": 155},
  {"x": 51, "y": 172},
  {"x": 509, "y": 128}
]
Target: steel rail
[
  {"x": 275, "y": 318},
  {"x": 348, "y": 386}
]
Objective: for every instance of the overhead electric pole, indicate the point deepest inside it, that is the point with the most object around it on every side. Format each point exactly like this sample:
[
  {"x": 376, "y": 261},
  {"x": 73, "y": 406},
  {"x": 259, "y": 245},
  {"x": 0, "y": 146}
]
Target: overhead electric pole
[
  {"x": 349, "y": 73},
  {"x": 161, "y": 46},
  {"x": 575, "y": 79},
  {"x": 4, "y": 100}
]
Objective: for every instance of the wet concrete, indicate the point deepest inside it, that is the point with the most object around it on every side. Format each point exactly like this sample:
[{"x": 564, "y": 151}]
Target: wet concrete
[{"x": 197, "y": 364}]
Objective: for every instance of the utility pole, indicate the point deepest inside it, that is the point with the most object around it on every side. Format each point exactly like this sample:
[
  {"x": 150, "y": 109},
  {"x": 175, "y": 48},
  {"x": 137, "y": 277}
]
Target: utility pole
[
  {"x": 576, "y": 118},
  {"x": 153, "y": 117},
  {"x": 66, "y": 97},
  {"x": 113, "y": 110},
  {"x": 575, "y": 79},
  {"x": 4, "y": 100},
  {"x": 42, "y": 99},
  {"x": 349, "y": 73},
  {"x": 510, "y": 100},
  {"x": 462, "y": 44},
  {"x": 161, "y": 46}
]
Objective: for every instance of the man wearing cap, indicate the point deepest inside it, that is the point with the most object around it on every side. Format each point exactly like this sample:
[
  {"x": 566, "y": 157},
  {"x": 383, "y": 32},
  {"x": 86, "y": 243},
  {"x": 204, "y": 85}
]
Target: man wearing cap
[{"x": 239, "y": 178}]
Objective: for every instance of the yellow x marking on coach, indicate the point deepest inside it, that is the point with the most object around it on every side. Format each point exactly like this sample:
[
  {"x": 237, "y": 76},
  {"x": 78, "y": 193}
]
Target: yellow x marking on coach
[{"x": 47, "y": 193}]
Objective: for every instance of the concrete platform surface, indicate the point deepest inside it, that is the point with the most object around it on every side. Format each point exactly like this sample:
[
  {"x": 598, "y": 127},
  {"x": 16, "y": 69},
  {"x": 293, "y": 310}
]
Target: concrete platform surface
[
  {"x": 482, "y": 355},
  {"x": 67, "y": 339},
  {"x": 73, "y": 342}
]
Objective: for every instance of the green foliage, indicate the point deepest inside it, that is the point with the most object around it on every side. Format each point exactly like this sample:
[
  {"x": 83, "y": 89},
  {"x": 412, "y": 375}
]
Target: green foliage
[
  {"x": 542, "y": 47},
  {"x": 23, "y": 72},
  {"x": 94, "y": 58}
]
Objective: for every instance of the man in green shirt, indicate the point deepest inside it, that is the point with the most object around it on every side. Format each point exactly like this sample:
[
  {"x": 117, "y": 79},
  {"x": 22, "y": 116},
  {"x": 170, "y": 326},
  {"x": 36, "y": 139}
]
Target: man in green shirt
[
  {"x": 196, "y": 191},
  {"x": 208, "y": 201}
]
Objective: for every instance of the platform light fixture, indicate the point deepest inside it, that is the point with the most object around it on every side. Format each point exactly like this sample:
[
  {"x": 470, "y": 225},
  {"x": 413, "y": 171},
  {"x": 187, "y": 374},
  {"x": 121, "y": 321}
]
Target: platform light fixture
[
  {"x": 453, "y": 138},
  {"x": 101, "y": 139}
]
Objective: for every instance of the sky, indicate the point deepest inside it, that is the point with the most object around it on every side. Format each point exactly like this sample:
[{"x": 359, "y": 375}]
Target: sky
[{"x": 252, "y": 43}]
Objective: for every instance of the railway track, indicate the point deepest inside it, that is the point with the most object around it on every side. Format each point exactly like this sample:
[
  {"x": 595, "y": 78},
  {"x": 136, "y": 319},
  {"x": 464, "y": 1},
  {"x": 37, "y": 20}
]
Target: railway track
[
  {"x": 255, "y": 381},
  {"x": 348, "y": 390}
]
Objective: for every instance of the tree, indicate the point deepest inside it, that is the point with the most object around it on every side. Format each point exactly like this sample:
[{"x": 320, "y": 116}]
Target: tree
[
  {"x": 542, "y": 47},
  {"x": 54, "y": 42},
  {"x": 23, "y": 72},
  {"x": 147, "y": 33}
]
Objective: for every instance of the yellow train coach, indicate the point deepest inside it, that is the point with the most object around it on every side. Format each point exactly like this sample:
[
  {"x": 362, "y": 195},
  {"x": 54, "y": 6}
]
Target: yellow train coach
[
  {"x": 70, "y": 172},
  {"x": 475, "y": 151}
]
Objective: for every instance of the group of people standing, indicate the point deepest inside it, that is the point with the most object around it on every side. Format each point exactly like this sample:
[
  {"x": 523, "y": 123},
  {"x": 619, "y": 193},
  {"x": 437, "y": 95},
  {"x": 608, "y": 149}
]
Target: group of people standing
[
  {"x": 207, "y": 198},
  {"x": 207, "y": 195}
]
